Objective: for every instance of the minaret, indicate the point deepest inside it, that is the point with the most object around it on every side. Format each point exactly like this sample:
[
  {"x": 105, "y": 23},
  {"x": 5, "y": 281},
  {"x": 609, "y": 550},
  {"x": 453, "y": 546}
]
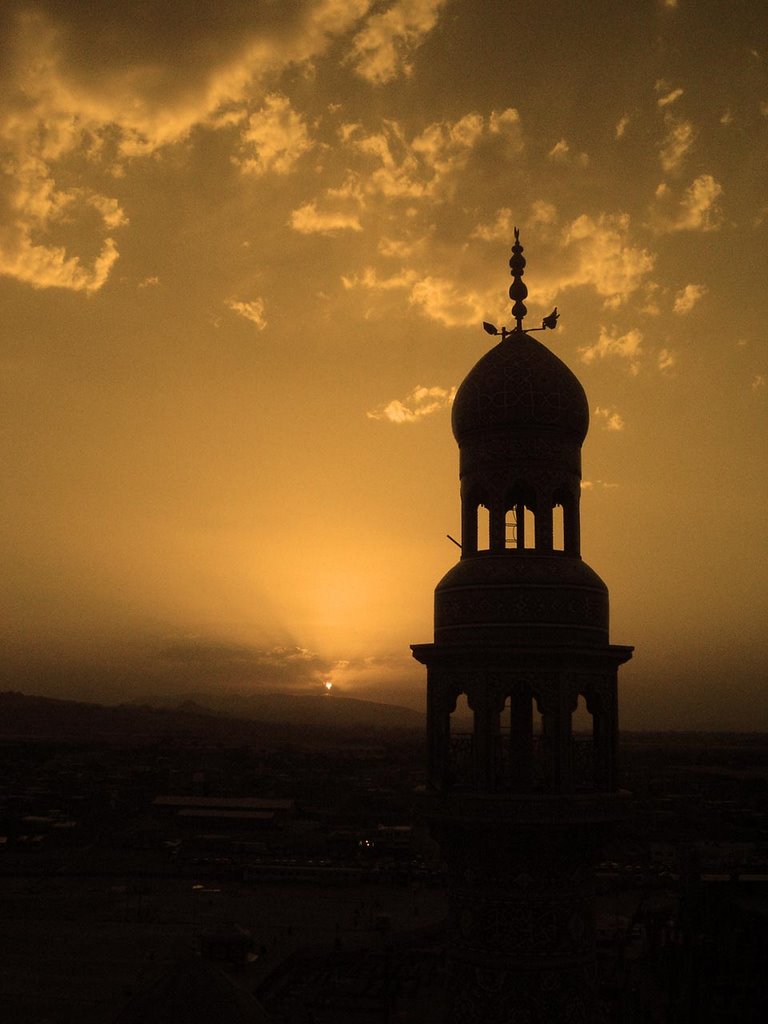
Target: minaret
[{"x": 521, "y": 805}]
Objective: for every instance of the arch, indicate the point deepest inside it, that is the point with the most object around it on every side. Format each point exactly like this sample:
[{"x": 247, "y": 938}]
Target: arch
[
  {"x": 459, "y": 770},
  {"x": 558, "y": 527},
  {"x": 565, "y": 523},
  {"x": 510, "y": 528},
  {"x": 520, "y": 518},
  {"x": 583, "y": 745},
  {"x": 483, "y": 520},
  {"x": 530, "y": 529}
]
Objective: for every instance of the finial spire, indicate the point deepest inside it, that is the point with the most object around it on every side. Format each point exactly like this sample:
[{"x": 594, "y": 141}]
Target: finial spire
[{"x": 518, "y": 290}]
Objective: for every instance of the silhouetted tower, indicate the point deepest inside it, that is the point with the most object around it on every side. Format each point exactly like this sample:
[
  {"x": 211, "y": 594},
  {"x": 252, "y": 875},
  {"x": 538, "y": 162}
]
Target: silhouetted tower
[{"x": 520, "y": 805}]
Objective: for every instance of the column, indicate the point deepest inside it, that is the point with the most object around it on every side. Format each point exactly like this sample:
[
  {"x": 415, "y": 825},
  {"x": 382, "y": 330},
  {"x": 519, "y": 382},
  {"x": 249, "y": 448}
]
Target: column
[
  {"x": 468, "y": 528},
  {"x": 486, "y": 730},
  {"x": 521, "y": 740},
  {"x": 497, "y": 526},
  {"x": 438, "y": 730},
  {"x": 544, "y": 526},
  {"x": 563, "y": 766}
]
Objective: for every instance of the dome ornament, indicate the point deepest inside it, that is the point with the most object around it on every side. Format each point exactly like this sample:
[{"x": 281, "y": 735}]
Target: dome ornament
[{"x": 518, "y": 292}]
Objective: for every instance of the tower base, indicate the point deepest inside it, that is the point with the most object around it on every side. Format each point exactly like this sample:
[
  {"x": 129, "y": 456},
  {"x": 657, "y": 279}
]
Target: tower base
[{"x": 522, "y": 929}]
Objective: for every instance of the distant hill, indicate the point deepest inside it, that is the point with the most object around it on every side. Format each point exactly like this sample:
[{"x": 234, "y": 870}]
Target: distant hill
[
  {"x": 267, "y": 719},
  {"x": 299, "y": 709}
]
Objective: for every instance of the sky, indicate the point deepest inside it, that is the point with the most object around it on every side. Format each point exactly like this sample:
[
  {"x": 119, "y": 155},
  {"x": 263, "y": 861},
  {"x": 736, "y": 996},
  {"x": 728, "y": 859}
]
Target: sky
[{"x": 246, "y": 249}]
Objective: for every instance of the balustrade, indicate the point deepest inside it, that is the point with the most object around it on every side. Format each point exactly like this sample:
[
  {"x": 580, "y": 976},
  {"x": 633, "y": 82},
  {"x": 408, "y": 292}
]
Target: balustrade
[{"x": 461, "y": 769}]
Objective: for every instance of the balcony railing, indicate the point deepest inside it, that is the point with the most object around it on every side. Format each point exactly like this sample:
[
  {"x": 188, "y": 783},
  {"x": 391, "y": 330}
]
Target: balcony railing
[{"x": 515, "y": 771}]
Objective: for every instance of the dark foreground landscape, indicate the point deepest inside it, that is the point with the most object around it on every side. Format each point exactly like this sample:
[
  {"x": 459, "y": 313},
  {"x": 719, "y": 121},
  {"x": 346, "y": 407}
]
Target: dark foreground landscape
[{"x": 266, "y": 862}]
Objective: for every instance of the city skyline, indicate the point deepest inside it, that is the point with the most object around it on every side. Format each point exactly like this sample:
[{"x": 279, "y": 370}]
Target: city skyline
[{"x": 246, "y": 255}]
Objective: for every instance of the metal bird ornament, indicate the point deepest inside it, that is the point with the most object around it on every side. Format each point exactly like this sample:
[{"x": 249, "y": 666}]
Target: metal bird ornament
[{"x": 551, "y": 320}]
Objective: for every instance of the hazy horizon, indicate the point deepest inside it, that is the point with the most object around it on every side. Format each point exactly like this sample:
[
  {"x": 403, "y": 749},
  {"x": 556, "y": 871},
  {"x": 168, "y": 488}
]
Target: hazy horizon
[{"x": 245, "y": 254}]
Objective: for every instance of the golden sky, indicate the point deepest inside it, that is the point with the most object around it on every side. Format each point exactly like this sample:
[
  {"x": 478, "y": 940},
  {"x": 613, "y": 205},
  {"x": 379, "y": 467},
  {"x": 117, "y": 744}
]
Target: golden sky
[{"x": 245, "y": 252}]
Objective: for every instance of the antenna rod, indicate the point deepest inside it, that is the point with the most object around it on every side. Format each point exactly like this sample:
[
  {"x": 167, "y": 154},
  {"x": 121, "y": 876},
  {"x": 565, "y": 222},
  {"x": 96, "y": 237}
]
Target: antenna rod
[{"x": 454, "y": 540}]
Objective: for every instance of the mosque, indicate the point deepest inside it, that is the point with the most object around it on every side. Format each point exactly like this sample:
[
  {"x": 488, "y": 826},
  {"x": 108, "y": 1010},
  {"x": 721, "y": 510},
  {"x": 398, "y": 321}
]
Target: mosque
[{"x": 521, "y": 804}]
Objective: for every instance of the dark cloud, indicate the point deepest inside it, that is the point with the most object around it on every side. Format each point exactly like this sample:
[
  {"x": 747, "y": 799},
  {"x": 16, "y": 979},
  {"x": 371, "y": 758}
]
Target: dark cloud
[{"x": 212, "y": 661}]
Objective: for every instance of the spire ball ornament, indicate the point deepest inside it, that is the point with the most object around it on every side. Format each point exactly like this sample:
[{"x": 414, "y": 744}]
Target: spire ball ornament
[{"x": 518, "y": 290}]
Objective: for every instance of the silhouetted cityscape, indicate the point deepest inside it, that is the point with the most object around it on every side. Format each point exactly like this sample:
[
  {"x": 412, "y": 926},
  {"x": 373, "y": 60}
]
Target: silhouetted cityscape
[{"x": 296, "y": 874}]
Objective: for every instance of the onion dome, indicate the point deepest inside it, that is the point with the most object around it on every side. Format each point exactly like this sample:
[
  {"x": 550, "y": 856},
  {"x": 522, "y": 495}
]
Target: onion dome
[{"x": 520, "y": 384}]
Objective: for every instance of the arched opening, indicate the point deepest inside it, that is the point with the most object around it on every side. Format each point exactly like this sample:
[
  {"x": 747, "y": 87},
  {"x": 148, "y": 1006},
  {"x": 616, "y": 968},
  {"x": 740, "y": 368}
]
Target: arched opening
[
  {"x": 530, "y": 529},
  {"x": 582, "y": 746},
  {"x": 483, "y": 528},
  {"x": 564, "y": 528},
  {"x": 510, "y": 528},
  {"x": 520, "y": 519},
  {"x": 558, "y": 528},
  {"x": 460, "y": 767}
]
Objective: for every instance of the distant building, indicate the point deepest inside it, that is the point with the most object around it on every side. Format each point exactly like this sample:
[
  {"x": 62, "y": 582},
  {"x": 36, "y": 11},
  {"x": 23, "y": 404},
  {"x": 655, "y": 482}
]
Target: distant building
[
  {"x": 225, "y": 811},
  {"x": 519, "y": 805}
]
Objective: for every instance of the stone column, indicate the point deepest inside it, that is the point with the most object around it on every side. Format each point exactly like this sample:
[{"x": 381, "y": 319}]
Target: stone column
[
  {"x": 544, "y": 527},
  {"x": 521, "y": 740},
  {"x": 438, "y": 730},
  {"x": 485, "y": 733},
  {"x": 468, "y": 528},
  {"x": 497, "y": 526},
  {"x": 563, "y": 759}
]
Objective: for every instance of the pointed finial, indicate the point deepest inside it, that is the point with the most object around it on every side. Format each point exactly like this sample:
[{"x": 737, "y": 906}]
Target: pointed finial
[{"x": 517, "y": 290}]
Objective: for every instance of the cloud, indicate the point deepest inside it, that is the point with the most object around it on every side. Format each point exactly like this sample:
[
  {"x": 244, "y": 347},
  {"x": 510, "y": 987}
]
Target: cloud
[
  {"x": 590, "y": 485},
  {"x": 438, "y": 298},
  {"x": 542, "y": 212},
  {"x": 384, "y": 46},
  {"x": 219, "y": 662},
  {"x": 47, "y": 266},
  {"x": 371, "y": 280},
  {"x": 687, "y": 298},
  {"x": 253, "y": 311},
  {"x": 698, "y": 209},
  {"x": 598, "y": 252},
  {"x": 621, "y": 127},
  {"x": 274, "y": 138},
  {"x": 427, "y": 166},
  {"x": 669, "y": 97},
  {"x": 561, "y": 154},
  {"x": 448, "y": 303},
  {"x": 677, "y": 142},
  {"x": 622, "y": 346},
  {"x": 80, "y": 95},
  {"x": 421, "y": 402},
  {"x": 501, "y": 229},
  {"x": 308, "y": 220},
  {"x": 611, "y": 418},
  {"x": 665, "y": 359},
  {"x": 149, "y": 282},
  {"x": 758, "y": 382}
]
